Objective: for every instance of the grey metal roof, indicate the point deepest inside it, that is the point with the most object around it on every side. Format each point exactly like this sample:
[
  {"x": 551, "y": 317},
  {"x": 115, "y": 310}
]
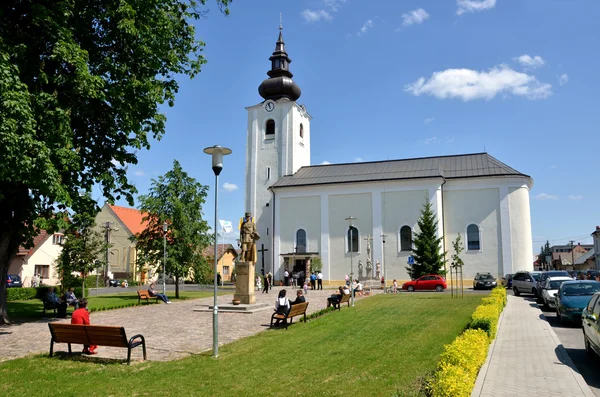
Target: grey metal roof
[{"x": 450, "y": 167}]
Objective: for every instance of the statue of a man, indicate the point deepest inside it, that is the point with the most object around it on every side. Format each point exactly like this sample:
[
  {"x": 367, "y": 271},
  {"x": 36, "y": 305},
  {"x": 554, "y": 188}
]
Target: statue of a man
[{"x": 248, "y": 237}]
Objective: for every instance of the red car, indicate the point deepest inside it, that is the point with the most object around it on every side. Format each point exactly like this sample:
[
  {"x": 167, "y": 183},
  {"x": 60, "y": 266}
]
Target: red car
[{"x": 430, "y": 281}]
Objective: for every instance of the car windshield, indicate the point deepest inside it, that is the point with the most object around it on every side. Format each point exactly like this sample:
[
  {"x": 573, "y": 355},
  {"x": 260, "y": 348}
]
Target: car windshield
[
  {"x": 557, "y": 274},
  {"x": 536, "y": 276},
  {"x": 555, "y": 284},
  {"x": 581, "y": 289},
  {"x": 486, "y": 277}
]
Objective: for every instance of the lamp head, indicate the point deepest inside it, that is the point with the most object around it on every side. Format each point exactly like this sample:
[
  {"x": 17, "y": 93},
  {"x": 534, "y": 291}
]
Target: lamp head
[
  {"x": 351, "y": 220},
  {"x": 165, "y": 227},
  {"x": 217, "y": 152}
]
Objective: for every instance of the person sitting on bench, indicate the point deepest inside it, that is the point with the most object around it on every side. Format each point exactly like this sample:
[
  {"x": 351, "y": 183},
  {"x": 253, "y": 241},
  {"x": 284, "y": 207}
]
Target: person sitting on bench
[
  {"x": 55, "y": 301},
  {"x": 358, "y": 290},
  {"x": 299, "y": 298},
  {"x": 82, "y": 316},
  {"x": 153, "y": 294},
  {"x": 282, "y": 305},
  {"x": 335, "y": 299},
  {"x": 71, "y": 299}
]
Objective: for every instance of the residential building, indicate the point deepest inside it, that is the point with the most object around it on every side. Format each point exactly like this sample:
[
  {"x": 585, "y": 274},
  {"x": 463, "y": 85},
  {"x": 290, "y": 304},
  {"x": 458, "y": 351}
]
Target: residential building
[
  {"x": 39, "y": 259},
  {"x": 226, "y": 255},
  {"x": 565, "y": 256}
]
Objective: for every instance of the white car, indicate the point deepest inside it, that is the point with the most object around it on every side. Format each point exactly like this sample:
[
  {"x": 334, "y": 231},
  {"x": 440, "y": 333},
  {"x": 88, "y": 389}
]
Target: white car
[{"x": 550, "y": 288}]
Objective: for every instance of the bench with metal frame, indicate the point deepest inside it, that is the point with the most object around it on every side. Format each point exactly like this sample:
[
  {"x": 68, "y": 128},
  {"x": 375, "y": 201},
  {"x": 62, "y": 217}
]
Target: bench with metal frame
[
  {"x": 99, "y": 335},
  {"x": 145, "y": 295},
  {"x": 338, "y": 305}
]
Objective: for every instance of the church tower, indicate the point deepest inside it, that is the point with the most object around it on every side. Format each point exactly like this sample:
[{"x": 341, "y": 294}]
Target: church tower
[{"x": 278, "y": 145}]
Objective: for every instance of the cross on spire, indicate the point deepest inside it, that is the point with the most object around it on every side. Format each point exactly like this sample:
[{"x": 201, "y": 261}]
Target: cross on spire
[{"x": 280, "y": 21}]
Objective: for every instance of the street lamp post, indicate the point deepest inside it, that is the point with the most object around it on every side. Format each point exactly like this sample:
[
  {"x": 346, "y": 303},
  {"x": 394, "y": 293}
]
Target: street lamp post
[
  {"x": 383, "y": 236},
  {"x": 350, "y": 220},
  {"x": 165, "y": 228},
  {"x": 217, "y": 152}
]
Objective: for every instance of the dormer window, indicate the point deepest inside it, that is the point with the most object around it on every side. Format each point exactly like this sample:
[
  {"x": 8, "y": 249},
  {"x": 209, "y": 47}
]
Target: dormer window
[{"x": 57, "y": 239}]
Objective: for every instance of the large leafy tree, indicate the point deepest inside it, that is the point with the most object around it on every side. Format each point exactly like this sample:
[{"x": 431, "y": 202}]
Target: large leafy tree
[
  {"x": 82, "y": 247},
  {"x": 177, "y": 199},
  {"x": 81, "y": 84},
  {"x": 427, "y": 251}
]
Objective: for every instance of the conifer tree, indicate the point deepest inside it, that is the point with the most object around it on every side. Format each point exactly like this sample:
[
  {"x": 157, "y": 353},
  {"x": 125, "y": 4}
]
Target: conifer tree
[{"x": 427, "y": 251}]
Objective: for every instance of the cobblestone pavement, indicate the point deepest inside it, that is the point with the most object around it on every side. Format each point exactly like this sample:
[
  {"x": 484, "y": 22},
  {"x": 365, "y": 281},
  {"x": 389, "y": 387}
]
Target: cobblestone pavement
[
  {"x": 171, "y": 331},
  {"x": 527, "y": 358}
]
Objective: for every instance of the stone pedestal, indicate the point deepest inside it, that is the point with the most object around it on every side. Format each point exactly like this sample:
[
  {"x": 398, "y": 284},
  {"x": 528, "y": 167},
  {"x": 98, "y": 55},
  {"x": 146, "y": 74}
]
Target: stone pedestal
[{"x": 244, "y": 283}]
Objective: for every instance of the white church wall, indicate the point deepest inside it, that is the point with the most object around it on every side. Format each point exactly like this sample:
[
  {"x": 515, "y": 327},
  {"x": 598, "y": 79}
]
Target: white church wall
[
  {"x": 400, "y": 208},
  {"x": 482, "y": 208},
  {"x": 301, "y": 145},
  {"x": 300, "y": 213},
  {"x": 520, "y": 228},
  {"x": 340, "y": 207}
]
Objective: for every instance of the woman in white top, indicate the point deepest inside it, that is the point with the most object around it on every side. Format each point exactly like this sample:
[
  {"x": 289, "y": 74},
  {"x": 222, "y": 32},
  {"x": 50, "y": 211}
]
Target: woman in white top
[{"x": 282, "y": 304}]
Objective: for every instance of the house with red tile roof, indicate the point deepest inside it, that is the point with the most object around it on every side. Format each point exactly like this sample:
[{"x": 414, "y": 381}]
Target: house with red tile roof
[
  {"x": 226, "y": 255},
  {"x": 40, "y": 259},
  {"x": 119, "y": 224}
]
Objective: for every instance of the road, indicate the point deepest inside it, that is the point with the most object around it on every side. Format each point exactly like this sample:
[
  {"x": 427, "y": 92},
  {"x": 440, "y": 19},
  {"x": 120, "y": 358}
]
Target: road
[{"x": 571, "y": 337}]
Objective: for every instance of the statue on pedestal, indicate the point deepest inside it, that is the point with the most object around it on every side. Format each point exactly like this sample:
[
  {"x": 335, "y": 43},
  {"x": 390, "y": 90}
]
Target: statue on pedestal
[
  {"x": 377, "y": 269},
  {"x": 369, "y": 269},
  {"x": 248, "y": 237},
  {"x": 360, "y": 269}
]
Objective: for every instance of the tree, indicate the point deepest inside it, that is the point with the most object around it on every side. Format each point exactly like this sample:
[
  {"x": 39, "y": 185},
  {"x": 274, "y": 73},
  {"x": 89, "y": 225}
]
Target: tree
[
  {"x": 81, "y": 84},
  {"x": 457, "y": 263},
  {"x": 316, "y": 264},
  {"x": 427, "y": 251},
  {"x": 176, "y": 199},
  {"x": 81, "y": 248}
]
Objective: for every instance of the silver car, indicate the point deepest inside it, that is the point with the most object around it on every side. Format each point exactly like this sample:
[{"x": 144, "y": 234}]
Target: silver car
[
  {"x": 525, "y": 282},
  {"x": 550, "y": 288}
]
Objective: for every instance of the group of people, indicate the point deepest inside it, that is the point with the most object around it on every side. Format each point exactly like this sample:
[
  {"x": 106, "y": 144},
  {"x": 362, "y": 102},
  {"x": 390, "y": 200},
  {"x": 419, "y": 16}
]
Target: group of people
[
  {"x": 335, "y": 299},
  {"x": 283, "y": 305},
  {"x": 264, "y": 283},
  {"x": 61, "y": 304},
  {"x": 36, "y": 280}
]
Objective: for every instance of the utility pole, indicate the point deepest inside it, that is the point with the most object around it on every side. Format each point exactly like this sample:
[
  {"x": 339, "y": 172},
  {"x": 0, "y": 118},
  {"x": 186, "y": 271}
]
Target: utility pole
[
  {"x": 383, "y": 236},
  {"x": 107, "y": 228},
  {"x": 572, "y": 255}
]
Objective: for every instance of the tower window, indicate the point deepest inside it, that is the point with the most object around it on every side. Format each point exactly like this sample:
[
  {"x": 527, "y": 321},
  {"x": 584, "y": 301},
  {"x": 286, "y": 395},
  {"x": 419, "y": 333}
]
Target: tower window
[
  {"x": 268, "y": 172},
  {"x": 270, "y": 128},
  {"x": 301, "y": 131},
  {"x": 352, "y": 239}
]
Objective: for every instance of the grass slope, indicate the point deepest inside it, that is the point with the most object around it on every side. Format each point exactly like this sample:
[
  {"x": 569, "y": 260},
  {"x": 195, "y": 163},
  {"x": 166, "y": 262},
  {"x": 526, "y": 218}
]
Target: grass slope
[{"x": 384, "y": 346}]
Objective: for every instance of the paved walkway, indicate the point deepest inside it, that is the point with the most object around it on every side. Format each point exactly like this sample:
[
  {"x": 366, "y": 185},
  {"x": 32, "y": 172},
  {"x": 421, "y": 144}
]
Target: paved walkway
[
  {"x": 171, "y": 331},
  {"x": 527, "y": 358}
]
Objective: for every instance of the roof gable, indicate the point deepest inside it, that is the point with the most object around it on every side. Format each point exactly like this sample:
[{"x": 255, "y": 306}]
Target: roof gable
[
  {"x": 222, "y": 249},
  {"x": 448, "y": 167},
  {"x": 132, "y": 218},
  {"x": 37, "y": 242}
]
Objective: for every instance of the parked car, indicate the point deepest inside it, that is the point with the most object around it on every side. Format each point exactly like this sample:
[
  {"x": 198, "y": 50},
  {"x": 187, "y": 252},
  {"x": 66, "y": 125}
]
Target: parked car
[
  {"x": 544, "y": 276},
  {"x": 591, "y": 274},
  {"x": 507, "y": 281},
  {"x": 525, "y": 282},
  {"x": 590, "y": 318},
  {"x": 572, "y": 297},
  {"x": 484, "y": 281},
  {"x": 427, "y": 282},
  {"x": 549, "y": 288},
  {"x": 14, "y": 281}
]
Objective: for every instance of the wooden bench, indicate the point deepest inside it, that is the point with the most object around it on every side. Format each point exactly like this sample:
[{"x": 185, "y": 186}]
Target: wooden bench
[
  {"x": 94, "y": 335},
  {"x": 345, "y": 299},
  {"x": 298, "y": 309},
  {"x": 48, "y": 306},
  {"x": 145, "y": 295}
]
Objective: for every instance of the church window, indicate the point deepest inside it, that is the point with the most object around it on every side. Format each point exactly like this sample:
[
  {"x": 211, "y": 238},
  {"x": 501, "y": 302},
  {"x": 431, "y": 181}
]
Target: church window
[
  {"x": 353, "y": 239},
  {"x": 268, "y": 172},
  {"x": 473, "y": 239},
  {"x": 301, "y": 131},
  {"x": 270, "y": 128},
  {"x": 405, "y": 238},
  {"x": 301, "y": 240}
]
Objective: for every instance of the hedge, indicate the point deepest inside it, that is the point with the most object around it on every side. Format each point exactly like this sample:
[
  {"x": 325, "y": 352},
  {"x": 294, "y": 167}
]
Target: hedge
[
  {"x": 459, "y": 364},
  {"x": 18, "y": 294}
]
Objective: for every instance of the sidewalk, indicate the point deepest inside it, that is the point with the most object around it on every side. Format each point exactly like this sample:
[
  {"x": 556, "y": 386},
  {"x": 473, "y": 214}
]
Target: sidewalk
[{"x": 527, "y": 358}]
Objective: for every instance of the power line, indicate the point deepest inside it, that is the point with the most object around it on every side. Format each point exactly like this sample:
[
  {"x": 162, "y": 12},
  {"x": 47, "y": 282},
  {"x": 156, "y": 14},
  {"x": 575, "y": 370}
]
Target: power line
[{"x": 564, "y": 238}]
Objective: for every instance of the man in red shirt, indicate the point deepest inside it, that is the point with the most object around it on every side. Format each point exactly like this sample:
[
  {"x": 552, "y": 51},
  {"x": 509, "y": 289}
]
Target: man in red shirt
[{"x": 82, "y": 316}]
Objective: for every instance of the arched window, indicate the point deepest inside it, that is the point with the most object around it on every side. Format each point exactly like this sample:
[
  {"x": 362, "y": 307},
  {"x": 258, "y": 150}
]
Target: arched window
[
  {"x": 270, "y": 128},
  {"x": 301, "y": 240},
  {"x": 405, "y": 238},
  {"x": 301, "y": 131},
  {"x": 473, "y": 243},
  {"x": 353, "y": 239}
]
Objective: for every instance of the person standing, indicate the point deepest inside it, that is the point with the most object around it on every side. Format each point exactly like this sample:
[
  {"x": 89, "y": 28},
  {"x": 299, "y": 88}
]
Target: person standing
[
  {"x": 82, "y": 316},
  {"x": 286, "y": 278},
  {"x": 266, "y": 286},
  {"x": 319, "y": 280},
  {"x": 313, "y": 280},
  {"x": 270, "y": 278}
]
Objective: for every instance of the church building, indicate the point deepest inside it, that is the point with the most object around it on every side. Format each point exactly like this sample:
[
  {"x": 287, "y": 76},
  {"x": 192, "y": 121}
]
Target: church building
[{"x": 301, "y": 210}]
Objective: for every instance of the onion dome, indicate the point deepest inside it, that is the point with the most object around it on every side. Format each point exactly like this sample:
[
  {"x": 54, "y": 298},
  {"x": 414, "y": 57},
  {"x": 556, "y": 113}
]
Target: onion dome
[{"x": 280, "y": 83}]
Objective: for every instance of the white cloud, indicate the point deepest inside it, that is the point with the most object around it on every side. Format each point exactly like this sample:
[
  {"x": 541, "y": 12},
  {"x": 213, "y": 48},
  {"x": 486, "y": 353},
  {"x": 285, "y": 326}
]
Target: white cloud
[
  {"x": 428, "y": 120},
  {"x": 553, "y": 167},
  {"x": 334, "y": 5},
  {"x": 468, "y": 84},
  {"x": 575, "y": 197},
  {"x": 530, "y": 62},
  {"x": 545, "y": 196},
  {"x": 474, "y": 5},
  {"x": 563, "y": 79},
  {"x": 358, "y": 160},
  {"x": 325, "y": 162},
  {"x": 230, "y": 187},
  {"x": 366, "y": 26},
  {"x": 415, "y": 16},
  {"x": 312, "y": 16},
  {"x": 432, "y": 140},
  {"x": 450, "y": 140},
  {"x": 139, "y": 173}
]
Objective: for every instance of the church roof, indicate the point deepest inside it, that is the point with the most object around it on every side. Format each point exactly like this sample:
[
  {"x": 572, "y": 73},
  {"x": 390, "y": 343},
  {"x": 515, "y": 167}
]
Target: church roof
[{"x": 474, "y": 165}]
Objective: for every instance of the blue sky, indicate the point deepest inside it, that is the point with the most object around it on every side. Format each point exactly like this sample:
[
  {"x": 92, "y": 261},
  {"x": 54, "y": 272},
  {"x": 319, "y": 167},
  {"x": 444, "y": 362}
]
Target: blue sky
[{"x": 398, "y": 79}]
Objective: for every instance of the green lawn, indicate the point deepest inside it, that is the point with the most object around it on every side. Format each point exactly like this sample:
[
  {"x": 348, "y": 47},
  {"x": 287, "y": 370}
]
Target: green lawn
[
  {"x": 385, "y": 345},
  {"x": 31, "y": 310}
]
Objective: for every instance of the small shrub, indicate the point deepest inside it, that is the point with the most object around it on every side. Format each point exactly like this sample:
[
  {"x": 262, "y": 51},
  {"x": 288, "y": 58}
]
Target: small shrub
[
  {"x": 20, "y": 294},
  {"x": 485, "y": 318}
]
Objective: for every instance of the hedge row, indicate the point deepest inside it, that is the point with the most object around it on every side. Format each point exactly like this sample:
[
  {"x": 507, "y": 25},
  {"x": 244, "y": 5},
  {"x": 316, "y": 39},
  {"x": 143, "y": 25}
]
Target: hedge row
[
  {"x": 19, "y": 294},
  {"x": 459, "y": 364}
]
